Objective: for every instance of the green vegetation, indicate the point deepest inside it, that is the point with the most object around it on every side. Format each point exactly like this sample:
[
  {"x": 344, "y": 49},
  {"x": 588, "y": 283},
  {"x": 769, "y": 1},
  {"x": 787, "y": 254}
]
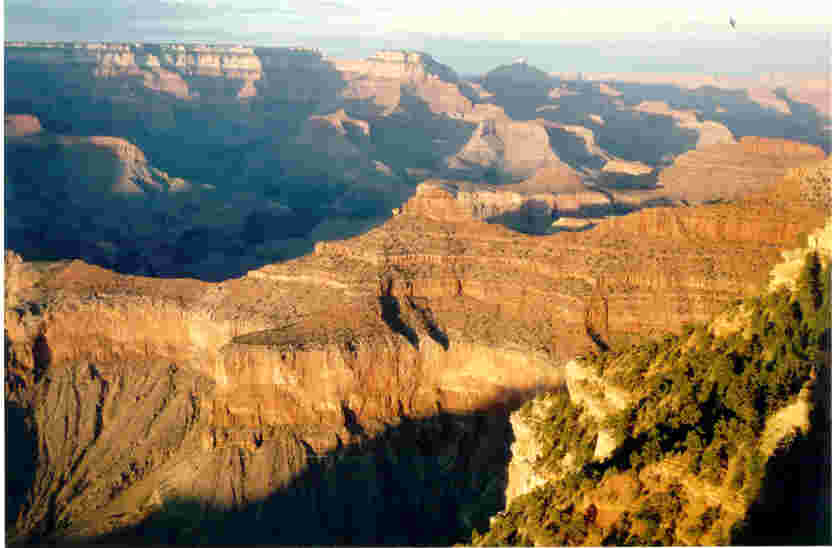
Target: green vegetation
[
  {"x": 560, "y": 431},
  {"x": 699, "y": 397}
]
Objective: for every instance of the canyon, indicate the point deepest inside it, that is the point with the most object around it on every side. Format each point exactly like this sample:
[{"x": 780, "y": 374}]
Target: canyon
[
  {"x": 234, "y": 157},
  {"x": 137, "y": 397},
  {"x": 633, "y": 487},
  {"x": 259, "y": 295}
]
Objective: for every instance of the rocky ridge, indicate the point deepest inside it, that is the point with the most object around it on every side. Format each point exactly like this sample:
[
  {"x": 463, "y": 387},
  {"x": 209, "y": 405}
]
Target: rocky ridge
[
  {"x": 389, "y": 121},
  {"x": 381, "y": 86},
  {"x": 756, "y": 89},
  {"x": 301, "y": 358},
  {"x": 598, "y": 400},
  {"x": 723, "y": 171},
  {"x": 709, "y": 132}
]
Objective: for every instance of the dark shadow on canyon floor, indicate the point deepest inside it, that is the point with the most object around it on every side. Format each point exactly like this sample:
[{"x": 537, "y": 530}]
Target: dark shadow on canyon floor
[
  {"x": 20, "y": 460},
  {"x": 423, "y": 482}
]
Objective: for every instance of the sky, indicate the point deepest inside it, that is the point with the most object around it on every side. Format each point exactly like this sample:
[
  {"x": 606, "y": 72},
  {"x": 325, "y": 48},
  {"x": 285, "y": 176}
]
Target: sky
[{"x": 787, "y": 34}]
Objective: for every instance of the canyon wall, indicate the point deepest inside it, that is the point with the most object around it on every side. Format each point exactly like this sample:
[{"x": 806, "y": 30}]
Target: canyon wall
[
  {"x": 131, "y": 392},
  {"x": 572, "y": 446},
  {"x": 394, "y": 353}
]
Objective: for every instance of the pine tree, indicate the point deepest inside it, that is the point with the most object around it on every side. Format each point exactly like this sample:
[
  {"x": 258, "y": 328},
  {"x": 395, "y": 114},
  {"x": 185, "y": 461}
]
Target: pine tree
[
  {"x": 822, "y": 321},
  {"x": 810, "y": 286}
]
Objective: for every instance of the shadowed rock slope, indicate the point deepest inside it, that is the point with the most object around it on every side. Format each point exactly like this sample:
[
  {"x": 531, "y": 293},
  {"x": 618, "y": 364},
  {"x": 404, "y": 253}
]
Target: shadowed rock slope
[
  {"x": 129, "y": 392},
  {"x": 209, "y": 161}
]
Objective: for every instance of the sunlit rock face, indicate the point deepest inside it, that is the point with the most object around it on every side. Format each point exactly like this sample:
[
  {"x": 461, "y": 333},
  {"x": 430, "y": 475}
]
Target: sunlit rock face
[
  {"x": 380, "y": 79},
  {"x": 432, "y": 312},
  {"x": 724, "y": 171},
  {"x": 138, "y": 390}
]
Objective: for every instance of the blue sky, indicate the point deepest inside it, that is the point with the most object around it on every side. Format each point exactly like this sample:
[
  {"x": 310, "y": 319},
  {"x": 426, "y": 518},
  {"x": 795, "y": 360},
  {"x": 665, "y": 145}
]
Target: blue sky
[{"x": 789, "y": 30}]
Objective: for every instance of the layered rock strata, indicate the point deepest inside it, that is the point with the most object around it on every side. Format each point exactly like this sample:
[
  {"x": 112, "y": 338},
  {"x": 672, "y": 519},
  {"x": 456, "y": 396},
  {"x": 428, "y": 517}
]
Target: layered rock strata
[
  {"x": 599, "y": 390},
  {"x": 137, "y": 391},
  {"x": 724, "y": 171},
  {"x": 709, "y": 132}
]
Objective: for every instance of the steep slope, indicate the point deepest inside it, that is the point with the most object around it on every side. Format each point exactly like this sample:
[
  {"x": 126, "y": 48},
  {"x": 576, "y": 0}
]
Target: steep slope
[
  {"x": 297, "y": 146},
  {"x": 724, "y": 171},
  {"x": 426, "y": 330},
  {"x": 382, "y": 76},
  {"x": 707, "y": 438},
  {"x": 709, "y": 132},
  {"x": 99, "y": 198},
  {"x": 506, "y": 148}
]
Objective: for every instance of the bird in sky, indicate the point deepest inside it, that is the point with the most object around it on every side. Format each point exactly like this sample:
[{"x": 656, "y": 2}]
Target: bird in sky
[{"x": 731, "y": 21}]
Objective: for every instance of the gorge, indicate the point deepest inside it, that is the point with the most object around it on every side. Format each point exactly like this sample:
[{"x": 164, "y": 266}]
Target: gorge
[
  {"x": 263, "y": 296},
  {"x": 394, "y": 355}
]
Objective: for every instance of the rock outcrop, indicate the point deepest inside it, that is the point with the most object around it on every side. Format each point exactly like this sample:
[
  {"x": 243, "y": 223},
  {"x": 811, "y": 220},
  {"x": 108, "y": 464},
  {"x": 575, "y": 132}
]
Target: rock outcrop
[
  {"x": 756, "y": 90},
  {"x": 381, "y": 77},
  {"x": 786, "y": 272},
  {"x": 724, "y": 171},
  {"x": 335, "y": 135},
  {"x": 709, "y": 132},
  {"x": 513, "y": 149},
  {"x": 313, "y": 356},
  {"x": 599, "y": 454}
]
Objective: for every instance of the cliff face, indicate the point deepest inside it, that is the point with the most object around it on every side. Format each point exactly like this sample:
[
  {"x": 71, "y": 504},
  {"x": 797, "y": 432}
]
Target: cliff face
[
  {"x": 172, "y": 69},
  {"x": 269, "y": 150},
  {"x": 382, "y": 76},
  {"x": 709, "y": 132},
  {"x": 588, "y": 467},
  {"x": 229, "y": 72},
  {"x": 724, "y": 171},
  {"x": 228, "y": 391},
  {"x": 141, "y": 391}
]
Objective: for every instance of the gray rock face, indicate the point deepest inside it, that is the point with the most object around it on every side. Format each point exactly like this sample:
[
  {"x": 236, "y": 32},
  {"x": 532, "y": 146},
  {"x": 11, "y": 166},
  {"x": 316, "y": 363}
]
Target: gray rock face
[{"x": 512, "y": 148}]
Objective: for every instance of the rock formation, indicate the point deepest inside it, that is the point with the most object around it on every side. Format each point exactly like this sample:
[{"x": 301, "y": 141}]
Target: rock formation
[
  {"x": 229, "y": 391},
  {"x": 276, "y": 113},
  {"x": 129, "y": 395},
  {"x": 724, "y": 171},
  {"x": 756, "y": 90},
  {"x": 381, "y": 77},
  {"x": 709, "y": 132},
  {"x": 710, "y": 501},
  {"x": 514, "y": 149}
]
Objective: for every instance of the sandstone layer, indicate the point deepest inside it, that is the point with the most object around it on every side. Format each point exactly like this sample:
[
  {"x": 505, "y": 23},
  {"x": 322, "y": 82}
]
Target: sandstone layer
[
  {"x": 709, "y": 132},
  {"x": 724, "y": 171},
  {"x": 756, "y": 89},
  {"x": 601, "y": 389},
  {"x": 432, "y": 312}
]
